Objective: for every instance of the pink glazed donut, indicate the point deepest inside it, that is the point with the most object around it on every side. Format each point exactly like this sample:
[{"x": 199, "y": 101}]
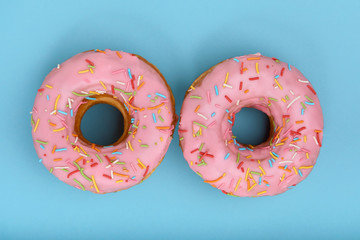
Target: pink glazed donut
[
  {"x": 129, "y": 83},
  {"x": 269, "y": 85}
]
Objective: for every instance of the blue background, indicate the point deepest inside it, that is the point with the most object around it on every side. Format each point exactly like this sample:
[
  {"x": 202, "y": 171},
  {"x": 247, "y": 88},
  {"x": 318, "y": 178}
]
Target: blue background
[{"x": 183, "y": 39}]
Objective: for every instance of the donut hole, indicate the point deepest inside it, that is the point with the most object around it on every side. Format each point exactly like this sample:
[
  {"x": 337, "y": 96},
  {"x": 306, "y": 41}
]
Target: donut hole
[
  {"x": 102, "y": 124},
  {"x": 251, "y": 127}
]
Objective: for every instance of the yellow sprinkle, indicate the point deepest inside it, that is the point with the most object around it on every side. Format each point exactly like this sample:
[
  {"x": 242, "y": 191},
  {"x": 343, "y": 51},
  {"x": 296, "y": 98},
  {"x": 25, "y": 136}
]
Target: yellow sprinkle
[
  {"x": 191, "y": 163},
  {"x": 56, "y": 102},
  {"x": 84, "y": 71},
  {"x": 161, "y": 139},
  {"x": 307, "y": 155},
  {"x": 37, "y": 124},
  {"x": 67, "y": 137},
  {"x": 278, "y": 84},
  {"x": 59, "y": 129},
  {"x": 119, "y": 181},
  {"x": 262, "y": 170},
  {"x": 237, "y": 185},
  {"x": 249, "y": 156},
  {"x": 102, "y": 84},
  {"x": 92, "y": 71},
  {"x": 282, "y": 99},
  {"x": 192, "y": 87},
  {"x": 48, "y": 86},
  {"x": 282, "y": 178},
  {"x": 247, "y": 174},
  {"x": 295, "y": 170},
  {"x": 257, "y": 67},
  {"x": 252, "y": 187},
  {"x": 273, "y": 155},
  {"x": 83, "y": 150},
  {"x": 305, "y": 139},
  {"x": 261, "y": 192},
  {"x": 306, "y": 167},
  {"x": 96, "y": 93},
  {"x": 93, "y": 179},
  {"x": 131, "y": 148},
  {"x": 226, "y": 79},
  {"x": 142, "y": 165}
]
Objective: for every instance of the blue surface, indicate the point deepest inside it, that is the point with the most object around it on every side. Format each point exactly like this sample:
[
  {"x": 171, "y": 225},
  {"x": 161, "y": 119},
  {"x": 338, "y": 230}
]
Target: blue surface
[{"x": 321, "y": 38}]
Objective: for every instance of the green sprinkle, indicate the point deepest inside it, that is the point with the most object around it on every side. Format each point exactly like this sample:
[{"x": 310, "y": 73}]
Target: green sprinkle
[
  {"x": 201, "y": 146},
  {"x": 309, "y": 99},
  {"x": 273, "y": 99},
  {"x": 152, "y": 100},
  {"x": 197, "y": 97},
  {"x": 256, "y": 173},
  {"x": 64, "y": 169},
  {"x": 197, "y": 133},
  {"x": 199, "y": 174},
  {"x": 202, "y": 163},
  {"x": 84, "y": 175},
  {"x": 199, "y": 124},
  {"x": 135, "y": 126},
  {"x": 303, "y": 105},
  {"x": 144, "y": 145},
  {"x": 42, "y": 142},
  {"x": 120, "y": 90},
  {"x": 182, "y": 138},
  {"x": 91, "y": 66},
  {"x": 161, "y": 119},
  {"x": 287, "y": 97},
  {"x": 82, "y": 187},
  {"x": 238, "y": 158},
  {"x": 120, "y": 163},
  {"x": 81, "y": 95},
  {"x": 144, "y": 127},
  {"x": 51, "y": 170},
  {"x": 98, "y": 157},
  {"x": 32, "y": 120}
]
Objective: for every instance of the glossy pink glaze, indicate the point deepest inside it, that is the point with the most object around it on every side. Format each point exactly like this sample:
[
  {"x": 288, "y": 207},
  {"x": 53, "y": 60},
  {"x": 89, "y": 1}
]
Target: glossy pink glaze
[
  {"x": 111, "y": 168},
  {"x": 237, "y": 169}
]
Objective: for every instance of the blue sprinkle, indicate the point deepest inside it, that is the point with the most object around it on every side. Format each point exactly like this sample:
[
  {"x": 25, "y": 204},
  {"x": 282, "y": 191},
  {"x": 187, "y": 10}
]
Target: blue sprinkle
[
  {"x": 216, "y": 90},
  {"x": 309, "y": 103},
  {"x": 270, "y": 163},
  {"x": 71, "y": 112},
  {"x": 275, "y": 154},
  {"x": 62, "y": 112},
  {"x": 300, "y": 173},
  {"x": 229, "y": 121},
  {"x": 127, "y": 109},
  {"x": 213, "y": 114},
  {"x": 116, "y": 153},
  {"x": 60, "y": 149},
  {"x": 277, "y": 76},
  {"x": 302, "y": 111},
  {"x": 149, "y": 95},
  {"x": 267, "y": 185},
  {"x": 242, "y": 149},
  {"x": 47, "y": 97},
  {"x": 154, "y": 118},
  {"x": 108, "y": 146},
  {"x": 90, "y": 98},
  {"x": 295, "y": 139},
  {"x": 227, "y": 110},
  {"x": 236, "y": 60},
  {"x": 259, "y": 180},
  {"x": 227, "y": 156},
  {"x": 272, "y": 159},
  {"x": 133, "y": 177},
  {"x": 40, "y": 160},
  {"x": 42, "y": 147},
  {"x": 249, "y": 149},
  {"x": 285, "y": 167},
  {"x": 289, "y": 66},
  {"x": 160, "y": 95},
  {"x": 129, "y": 72}
]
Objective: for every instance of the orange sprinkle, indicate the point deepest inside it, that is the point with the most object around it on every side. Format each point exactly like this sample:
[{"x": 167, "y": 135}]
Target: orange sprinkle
[
  {"x": 97, "y": 50},
  {"x": 288, "y": 170},
  {"x": 57, "y": 159},
  {"x": 53, "y": 150},
  {"x": 157, "y": 106},
  {"x": 141, "y": 164},
  {"x": 52, "y": 124},
  {"x": 164, "y": 127},
  {"x": 246, "y": 91},
  {"x": 118, "y": 53},
  {"x": 299, "y": 122},
  {"x": 142, "y": 84},
  {"x": 79, "y": 159},
  {"x": 197, "y": 108},
  {"x": 212, "y": 181},
  {"x": 253, "y": 58},
  {"x": 121, "y": 175}
]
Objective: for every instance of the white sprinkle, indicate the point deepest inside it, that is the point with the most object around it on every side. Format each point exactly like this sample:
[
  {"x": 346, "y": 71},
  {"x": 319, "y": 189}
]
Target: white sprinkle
[
  {"x": 237, "y": 102},
  {"x": 145, "y": 116},
  {"x": 83, "y": 155},
  {"x": 76, "y": 139},
  {"x": 114, "y": 162},
  {"x": 61, "y": 167},
  {"x": 108, "y": 166},
  {"x": 123, "y": 97},
  {"x": 316, "y": 140},
  {"x": 112, "y": 174},
  {"x": 101, "y": 91},
  {"x": 294, "y": 100},
  {"x": 292, "y": 93},
  {"x": 295, "y": 146},
  {"x": 199, "y": 114},
  {"x": 127, "y": 146},
  {"x": 285, "y": 162},
  {"x": 83, "y": 92},
  {"x": 69, "y": 103},
  {"x": 121, "y": 83},
  {"x": 138, "y": 81},
  {"x": 226, "y": 85},
  {"x": 294, "y": 155},
  {"x": 53, "y": 112},
  {"x": 303, "y": 81},
  {"x": 58, "y": 66}
]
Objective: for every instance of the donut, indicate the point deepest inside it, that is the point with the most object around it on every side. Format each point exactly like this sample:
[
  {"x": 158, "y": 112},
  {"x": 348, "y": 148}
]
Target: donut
[
  {"x": 129, "y": 83},
  {"x": 266, "y": 84}
]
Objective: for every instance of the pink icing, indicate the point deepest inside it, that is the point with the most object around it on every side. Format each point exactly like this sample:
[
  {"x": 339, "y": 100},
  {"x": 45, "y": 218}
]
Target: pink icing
[
  {"x": 110, "y": 168},
  {"x": 264, "y": 83}
]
